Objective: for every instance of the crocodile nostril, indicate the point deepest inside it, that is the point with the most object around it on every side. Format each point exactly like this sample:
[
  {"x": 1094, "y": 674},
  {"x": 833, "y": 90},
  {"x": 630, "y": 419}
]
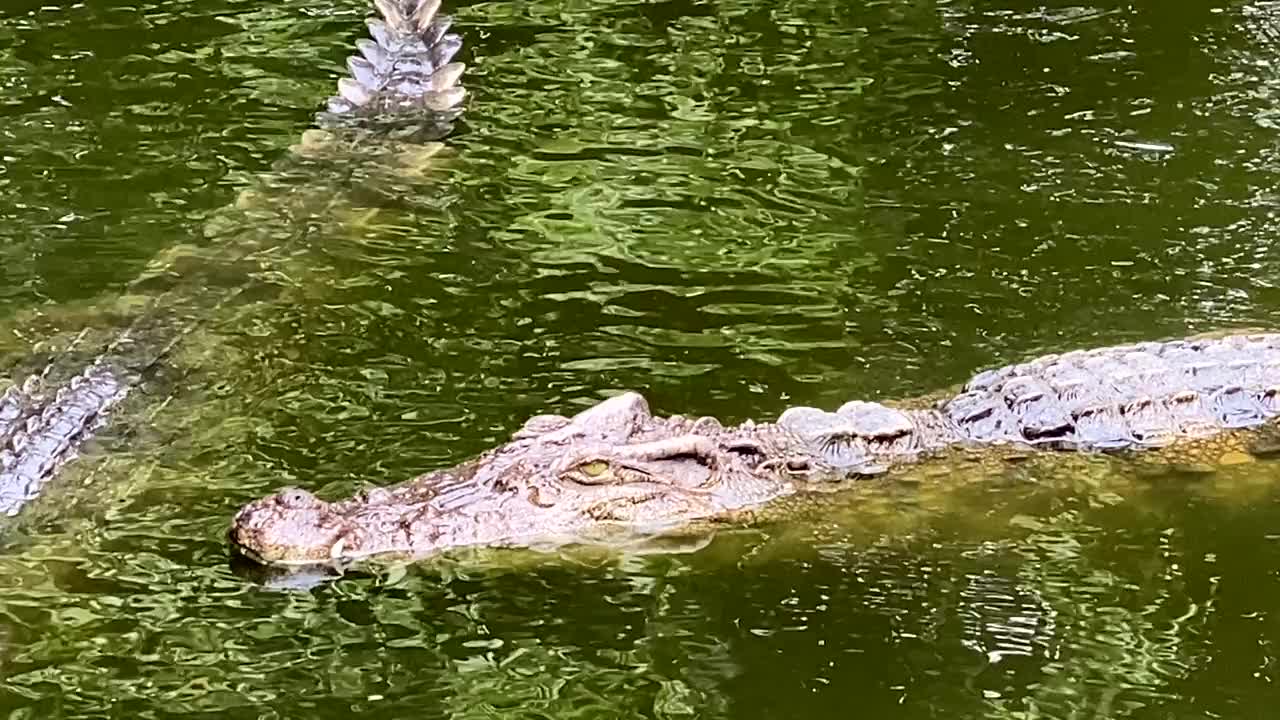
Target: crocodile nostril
[{"x": 296, "y": 498}]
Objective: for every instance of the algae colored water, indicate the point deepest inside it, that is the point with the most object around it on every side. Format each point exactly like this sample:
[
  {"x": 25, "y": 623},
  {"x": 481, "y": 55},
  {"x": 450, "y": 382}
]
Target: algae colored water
[{"x": 733, "y": 206}]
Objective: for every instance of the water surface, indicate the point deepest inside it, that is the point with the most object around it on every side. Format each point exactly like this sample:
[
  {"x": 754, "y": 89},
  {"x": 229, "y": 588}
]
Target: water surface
[{"x": 732, "y": 206}]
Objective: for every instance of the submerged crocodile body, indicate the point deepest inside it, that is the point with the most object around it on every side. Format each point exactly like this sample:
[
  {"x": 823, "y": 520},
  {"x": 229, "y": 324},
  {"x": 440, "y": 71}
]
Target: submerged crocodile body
[
  {"x": 41, "y": 428},
  {"x": 617, "y": 467},
  {"x": 403, "y": 90}
]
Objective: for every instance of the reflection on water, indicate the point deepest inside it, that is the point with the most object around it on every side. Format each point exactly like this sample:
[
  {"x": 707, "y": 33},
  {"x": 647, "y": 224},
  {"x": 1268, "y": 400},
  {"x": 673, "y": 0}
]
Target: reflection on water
[
  {"x": 1098, "y": 594},
  {"x": 735, "y": 206}
]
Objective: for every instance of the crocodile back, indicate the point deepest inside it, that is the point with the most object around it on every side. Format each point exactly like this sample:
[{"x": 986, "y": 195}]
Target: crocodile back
[
  {"x": 1129, "y": 396},
  {"x": 403, "y": 84}
]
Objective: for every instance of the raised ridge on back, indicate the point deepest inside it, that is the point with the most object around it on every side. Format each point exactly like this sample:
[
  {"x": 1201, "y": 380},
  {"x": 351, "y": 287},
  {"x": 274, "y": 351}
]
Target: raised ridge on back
[
  {"x": 42, "y": 429},
  {"x": 404, "y": 83},
  {"x": 1128, "y": 396}
]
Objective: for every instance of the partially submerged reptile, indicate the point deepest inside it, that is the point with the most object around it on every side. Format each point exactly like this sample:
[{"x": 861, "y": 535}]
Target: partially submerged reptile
[
  {"x": 402, "y": 93},
  {"x": 617, "y": 467}
]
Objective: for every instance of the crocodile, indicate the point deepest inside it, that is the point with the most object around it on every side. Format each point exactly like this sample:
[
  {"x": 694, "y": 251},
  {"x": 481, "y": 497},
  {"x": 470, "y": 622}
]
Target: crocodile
[
  {"x": 616, "y": 468},
  {"x": 402, "y": 92},
  {"x": 42, "y": 426}
]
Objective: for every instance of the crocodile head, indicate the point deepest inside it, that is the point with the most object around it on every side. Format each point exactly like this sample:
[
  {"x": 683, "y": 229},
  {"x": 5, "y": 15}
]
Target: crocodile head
[{"x": 612, "y": 467}]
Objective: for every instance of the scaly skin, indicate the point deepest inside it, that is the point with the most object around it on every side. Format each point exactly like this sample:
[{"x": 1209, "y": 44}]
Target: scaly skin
[
  {"x": 40, "y": 431},
  {"x": 615, "y": 467},
  {"x": 403, "y": 91},
  {"x": 558, "y": 479}
]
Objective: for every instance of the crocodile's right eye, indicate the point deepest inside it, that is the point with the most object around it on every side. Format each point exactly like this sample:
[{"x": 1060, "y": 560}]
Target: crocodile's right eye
[
  {"x": 594, "y": 469},
  {"x": 595, "y": 472},
  {"x": 296, "y": 498}
]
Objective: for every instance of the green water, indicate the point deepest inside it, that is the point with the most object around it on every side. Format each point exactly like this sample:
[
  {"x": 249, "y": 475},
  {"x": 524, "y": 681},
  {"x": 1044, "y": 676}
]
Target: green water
[{"x": 732, "y": 206}]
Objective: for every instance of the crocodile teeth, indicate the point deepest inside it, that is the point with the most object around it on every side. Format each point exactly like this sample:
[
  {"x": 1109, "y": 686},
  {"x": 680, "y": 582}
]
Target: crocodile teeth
[{"x": 335, "y": 552}]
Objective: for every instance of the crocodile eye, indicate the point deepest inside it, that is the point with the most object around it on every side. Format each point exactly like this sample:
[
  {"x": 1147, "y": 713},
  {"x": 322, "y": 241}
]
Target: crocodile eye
[
  {"x": 596, "y": 472},
  {"x": 594, "y": 469},
  {"x": 296, "y": 498}
]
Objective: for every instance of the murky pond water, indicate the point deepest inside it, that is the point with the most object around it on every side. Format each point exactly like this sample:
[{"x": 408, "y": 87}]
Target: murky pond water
[{"x": 733, "y": 206}]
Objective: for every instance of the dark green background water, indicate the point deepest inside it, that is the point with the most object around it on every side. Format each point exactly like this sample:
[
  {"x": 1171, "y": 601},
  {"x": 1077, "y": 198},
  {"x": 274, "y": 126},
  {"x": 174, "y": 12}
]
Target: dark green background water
[{"x": 734, "y": 207}]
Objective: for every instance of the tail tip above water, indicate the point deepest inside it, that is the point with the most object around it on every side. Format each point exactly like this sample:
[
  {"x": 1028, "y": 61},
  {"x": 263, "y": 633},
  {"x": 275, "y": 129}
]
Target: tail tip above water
[
  {"x": 410, "y": 17},
  {"x": 407, "y": 65}
]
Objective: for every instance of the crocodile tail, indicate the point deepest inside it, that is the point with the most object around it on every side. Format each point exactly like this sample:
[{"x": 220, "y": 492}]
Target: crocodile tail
[
  {"x": 43, "y": 431},
  {"x": 404, "y": 75}
]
